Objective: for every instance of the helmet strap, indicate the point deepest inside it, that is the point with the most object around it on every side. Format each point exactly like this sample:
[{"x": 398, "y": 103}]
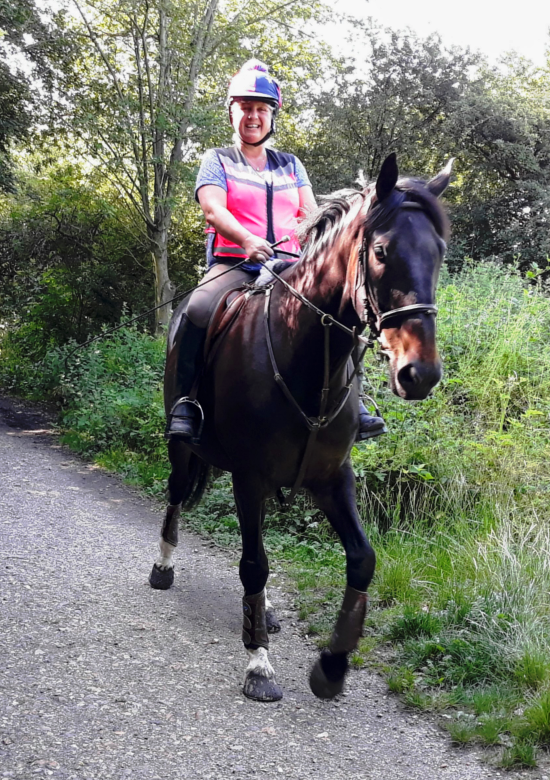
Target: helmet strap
[{"x": 264, "y": 139}]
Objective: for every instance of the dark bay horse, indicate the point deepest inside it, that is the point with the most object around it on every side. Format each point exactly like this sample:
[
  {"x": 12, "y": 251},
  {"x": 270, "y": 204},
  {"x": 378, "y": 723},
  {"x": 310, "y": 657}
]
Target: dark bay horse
[{"x": 370, "y": 256}]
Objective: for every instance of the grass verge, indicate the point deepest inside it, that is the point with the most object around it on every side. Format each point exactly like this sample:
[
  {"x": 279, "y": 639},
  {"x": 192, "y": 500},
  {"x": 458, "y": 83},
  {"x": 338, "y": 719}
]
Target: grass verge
[{"x": 454, "y": 501}]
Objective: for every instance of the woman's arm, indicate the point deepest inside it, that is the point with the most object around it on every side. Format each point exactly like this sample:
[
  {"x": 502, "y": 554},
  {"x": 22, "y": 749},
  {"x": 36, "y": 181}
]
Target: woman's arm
[
  {"x": 213, "y": 201},
  {"x": 307, "y": 201}
]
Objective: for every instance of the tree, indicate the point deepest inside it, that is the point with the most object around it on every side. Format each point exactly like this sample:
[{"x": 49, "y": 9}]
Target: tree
[
  {"x": 397, "y": 96},
  {"x": 74, "y": 257},
  {"x": 144, "y": 93},
  {"x": 428, "y": 103},
  {"x": 31, "y": 47},
  {"x": 502, "y": 135}
]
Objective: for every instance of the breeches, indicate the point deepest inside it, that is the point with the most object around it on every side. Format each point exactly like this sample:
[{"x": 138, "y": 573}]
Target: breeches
[{"x": 204, "y": 300}]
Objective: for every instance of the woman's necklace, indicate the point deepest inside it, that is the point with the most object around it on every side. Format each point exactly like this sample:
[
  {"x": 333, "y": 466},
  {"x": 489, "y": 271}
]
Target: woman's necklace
[{"x": 257, "y": 167}]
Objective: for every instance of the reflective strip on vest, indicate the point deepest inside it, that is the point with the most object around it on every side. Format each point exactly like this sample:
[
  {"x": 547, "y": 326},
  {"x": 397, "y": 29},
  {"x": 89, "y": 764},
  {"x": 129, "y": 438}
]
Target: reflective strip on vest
[{"x": 269, "y": 209}]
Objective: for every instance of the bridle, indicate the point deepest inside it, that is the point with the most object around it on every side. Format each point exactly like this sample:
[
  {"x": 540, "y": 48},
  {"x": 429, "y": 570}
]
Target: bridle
[
  {"x": 328, "y": 414},
  {"x": 375, "y": 318}
]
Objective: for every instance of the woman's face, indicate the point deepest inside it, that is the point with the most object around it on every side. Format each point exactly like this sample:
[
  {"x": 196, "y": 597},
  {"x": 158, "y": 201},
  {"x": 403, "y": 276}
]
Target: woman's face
[{"x": 251, "y": 120}]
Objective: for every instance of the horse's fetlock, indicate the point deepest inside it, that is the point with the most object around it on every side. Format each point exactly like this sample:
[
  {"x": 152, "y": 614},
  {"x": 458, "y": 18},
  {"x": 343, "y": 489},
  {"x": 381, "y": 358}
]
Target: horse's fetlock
[
  {"x": 334, "y": 665},
  {"x": 259, "y": 663}
]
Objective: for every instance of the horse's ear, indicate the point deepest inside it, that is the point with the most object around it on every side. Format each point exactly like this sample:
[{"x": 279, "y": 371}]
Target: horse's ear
[
  {"x": 439, "y": 183},
  {"x": 387, "y": 178}
]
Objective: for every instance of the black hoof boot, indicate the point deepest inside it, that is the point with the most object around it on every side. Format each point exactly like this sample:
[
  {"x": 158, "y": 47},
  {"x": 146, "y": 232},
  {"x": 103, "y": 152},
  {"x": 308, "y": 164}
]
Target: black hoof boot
[
  {"x": 328, "y": 674},
  {"x": 161, "y": 579},
  {"x": 273, "y": 625},
  {"x": 261, "y": 688}
]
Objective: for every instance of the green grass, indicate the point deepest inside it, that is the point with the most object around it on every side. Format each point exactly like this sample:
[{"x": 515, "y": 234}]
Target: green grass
[{"x": 455, "y": 501}]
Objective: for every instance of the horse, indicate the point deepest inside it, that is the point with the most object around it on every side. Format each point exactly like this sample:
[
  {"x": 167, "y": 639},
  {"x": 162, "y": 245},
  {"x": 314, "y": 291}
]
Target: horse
[{"x": 280, "y": 395}]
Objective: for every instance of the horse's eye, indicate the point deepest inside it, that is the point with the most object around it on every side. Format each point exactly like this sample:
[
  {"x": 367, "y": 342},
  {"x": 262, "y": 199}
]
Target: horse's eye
[{"x": 380, "y": 252}]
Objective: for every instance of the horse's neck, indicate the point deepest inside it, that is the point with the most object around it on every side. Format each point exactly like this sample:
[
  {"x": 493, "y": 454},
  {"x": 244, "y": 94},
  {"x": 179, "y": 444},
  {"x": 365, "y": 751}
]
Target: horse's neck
[{"x": 321, "y": 280}]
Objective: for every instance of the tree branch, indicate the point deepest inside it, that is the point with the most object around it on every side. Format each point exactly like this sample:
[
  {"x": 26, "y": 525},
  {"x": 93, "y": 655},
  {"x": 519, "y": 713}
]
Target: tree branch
[{"x": 112, "y": 73}]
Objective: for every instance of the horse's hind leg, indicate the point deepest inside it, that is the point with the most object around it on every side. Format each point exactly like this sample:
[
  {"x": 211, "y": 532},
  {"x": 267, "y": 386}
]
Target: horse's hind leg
[
  {"x": 162, "y": 574},
  {"x": 337, "y": 500},
  {"x": 259, "y": 682}
]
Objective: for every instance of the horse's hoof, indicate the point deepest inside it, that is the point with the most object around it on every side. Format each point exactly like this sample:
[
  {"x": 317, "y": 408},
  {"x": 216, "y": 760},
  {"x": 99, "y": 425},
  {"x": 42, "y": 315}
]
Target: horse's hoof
[
  {"x": 273, "y": 625},
  {"x": 161, "y": 579},
  {"x": 261, "y": 688},
  {"x": 328, "y": 674}
]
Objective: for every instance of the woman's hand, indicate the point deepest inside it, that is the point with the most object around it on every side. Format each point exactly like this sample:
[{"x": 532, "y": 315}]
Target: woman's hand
[
  {"x": 257, "y": 249},
  {"x": 213, "y": 201}
]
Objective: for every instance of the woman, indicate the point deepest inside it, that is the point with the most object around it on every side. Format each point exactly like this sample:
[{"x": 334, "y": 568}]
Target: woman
[{"x": 251, "y": 196}]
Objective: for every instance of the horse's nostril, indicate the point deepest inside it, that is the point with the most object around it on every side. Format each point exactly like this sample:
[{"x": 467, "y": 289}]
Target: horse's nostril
[
  {"x": 409, "y": 375},
  {"x": 418, "y": 378}
]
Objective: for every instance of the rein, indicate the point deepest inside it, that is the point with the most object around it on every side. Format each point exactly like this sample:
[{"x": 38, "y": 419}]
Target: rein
[{"x": 315, "y": 424}]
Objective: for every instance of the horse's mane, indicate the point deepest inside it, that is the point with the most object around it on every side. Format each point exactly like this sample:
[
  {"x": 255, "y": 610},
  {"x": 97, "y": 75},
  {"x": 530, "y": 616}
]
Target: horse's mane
[
  {"x": 338, "y": 210},
  {"x": 322, "y": 226}
]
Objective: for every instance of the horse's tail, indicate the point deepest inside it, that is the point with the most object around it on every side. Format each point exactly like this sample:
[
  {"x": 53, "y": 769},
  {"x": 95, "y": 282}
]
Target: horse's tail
[{"x": 198, "y": 475}]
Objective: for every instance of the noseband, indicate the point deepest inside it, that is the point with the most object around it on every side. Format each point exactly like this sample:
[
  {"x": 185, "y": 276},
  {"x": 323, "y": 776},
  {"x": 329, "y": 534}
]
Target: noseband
[{"x": 377, "y": 319}]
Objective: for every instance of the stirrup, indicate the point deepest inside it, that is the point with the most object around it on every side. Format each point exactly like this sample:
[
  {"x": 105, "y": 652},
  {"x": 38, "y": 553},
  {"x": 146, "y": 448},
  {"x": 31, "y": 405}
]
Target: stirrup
[
  {"x": 192, "y": 433},
  {"x": 375, "y": 428}
]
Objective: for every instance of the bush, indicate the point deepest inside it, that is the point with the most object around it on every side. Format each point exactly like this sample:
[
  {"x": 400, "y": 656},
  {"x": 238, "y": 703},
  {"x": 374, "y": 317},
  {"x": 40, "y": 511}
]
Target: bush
[{"x": 454, "y": 499}]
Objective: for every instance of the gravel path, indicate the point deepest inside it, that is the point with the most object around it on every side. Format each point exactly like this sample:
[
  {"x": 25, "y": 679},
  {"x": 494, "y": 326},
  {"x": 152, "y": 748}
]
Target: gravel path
[{"x": 102, "y": 677}]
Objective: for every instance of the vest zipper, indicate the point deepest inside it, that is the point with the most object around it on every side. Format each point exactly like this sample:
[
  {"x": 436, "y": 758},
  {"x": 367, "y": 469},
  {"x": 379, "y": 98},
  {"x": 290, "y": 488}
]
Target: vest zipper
[{"x": 270, "y": 237}]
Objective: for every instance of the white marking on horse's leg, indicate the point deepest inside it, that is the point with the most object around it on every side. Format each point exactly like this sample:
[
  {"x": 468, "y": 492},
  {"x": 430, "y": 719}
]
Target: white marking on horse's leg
[
  {"x": 259, "y": 663},
  {"x": 164, "y": 561},
  {"x": 268, "y": 604}
]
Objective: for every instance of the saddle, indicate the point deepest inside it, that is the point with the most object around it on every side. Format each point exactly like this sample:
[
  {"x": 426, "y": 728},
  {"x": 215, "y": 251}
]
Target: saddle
[
  {"x": 224, "y": 315},
  {"x": 232, "y": 303}
]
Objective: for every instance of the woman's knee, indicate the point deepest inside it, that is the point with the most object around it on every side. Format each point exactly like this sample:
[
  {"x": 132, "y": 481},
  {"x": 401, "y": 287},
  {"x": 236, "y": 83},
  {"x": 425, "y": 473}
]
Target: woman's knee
[
  {"x": 204, "y": 300},
  {"x": 198, "y": 309}
]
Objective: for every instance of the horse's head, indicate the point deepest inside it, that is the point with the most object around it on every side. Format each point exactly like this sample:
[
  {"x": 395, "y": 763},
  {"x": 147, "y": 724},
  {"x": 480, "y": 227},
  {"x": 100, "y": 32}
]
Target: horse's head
[{"x": 402, "y": 249}]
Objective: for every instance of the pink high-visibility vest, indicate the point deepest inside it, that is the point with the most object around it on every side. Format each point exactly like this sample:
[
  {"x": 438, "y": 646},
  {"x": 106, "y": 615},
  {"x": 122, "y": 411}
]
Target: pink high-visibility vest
[{"x": 269, "y": 207}]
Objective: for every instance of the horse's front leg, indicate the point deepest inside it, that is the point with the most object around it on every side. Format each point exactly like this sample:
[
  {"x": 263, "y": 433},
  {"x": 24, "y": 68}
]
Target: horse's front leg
[
  {"x": 259, "y": 681},
  {"x": 337, "y": 500}
]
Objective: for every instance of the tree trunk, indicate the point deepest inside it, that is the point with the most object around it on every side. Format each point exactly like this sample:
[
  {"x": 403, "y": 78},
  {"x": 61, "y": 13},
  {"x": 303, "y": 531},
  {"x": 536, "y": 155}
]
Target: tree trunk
[{"x": 164, "y": 288}]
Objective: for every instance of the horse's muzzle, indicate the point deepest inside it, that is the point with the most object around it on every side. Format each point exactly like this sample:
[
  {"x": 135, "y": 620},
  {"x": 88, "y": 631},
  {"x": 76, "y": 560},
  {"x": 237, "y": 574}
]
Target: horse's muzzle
[{"x": 415, "y": 379}]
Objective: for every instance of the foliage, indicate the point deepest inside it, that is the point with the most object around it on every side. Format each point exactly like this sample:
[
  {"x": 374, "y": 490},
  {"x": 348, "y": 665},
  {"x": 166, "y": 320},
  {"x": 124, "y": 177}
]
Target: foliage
[
  {"x": 397, "y": 95},
  {"x": 32, "y": 46},
  {"x": 74, "y": 259},
  {"x": 454, "y": 501},
  {"x": 429, "y": 103}
]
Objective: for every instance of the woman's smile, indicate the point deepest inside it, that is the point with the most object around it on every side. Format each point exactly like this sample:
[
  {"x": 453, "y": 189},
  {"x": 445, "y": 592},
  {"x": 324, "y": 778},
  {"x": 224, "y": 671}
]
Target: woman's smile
[{"x": 251, "y": 119}]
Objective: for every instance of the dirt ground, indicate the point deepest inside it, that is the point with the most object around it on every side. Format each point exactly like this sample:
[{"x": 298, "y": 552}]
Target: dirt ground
[{"x": 103, "y": 678}]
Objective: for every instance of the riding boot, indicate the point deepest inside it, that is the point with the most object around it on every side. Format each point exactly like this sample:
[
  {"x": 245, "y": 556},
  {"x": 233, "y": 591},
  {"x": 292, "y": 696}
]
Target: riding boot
[
  {"x": 369, "y": 425},
  {"x": 186, "y": 414}
]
